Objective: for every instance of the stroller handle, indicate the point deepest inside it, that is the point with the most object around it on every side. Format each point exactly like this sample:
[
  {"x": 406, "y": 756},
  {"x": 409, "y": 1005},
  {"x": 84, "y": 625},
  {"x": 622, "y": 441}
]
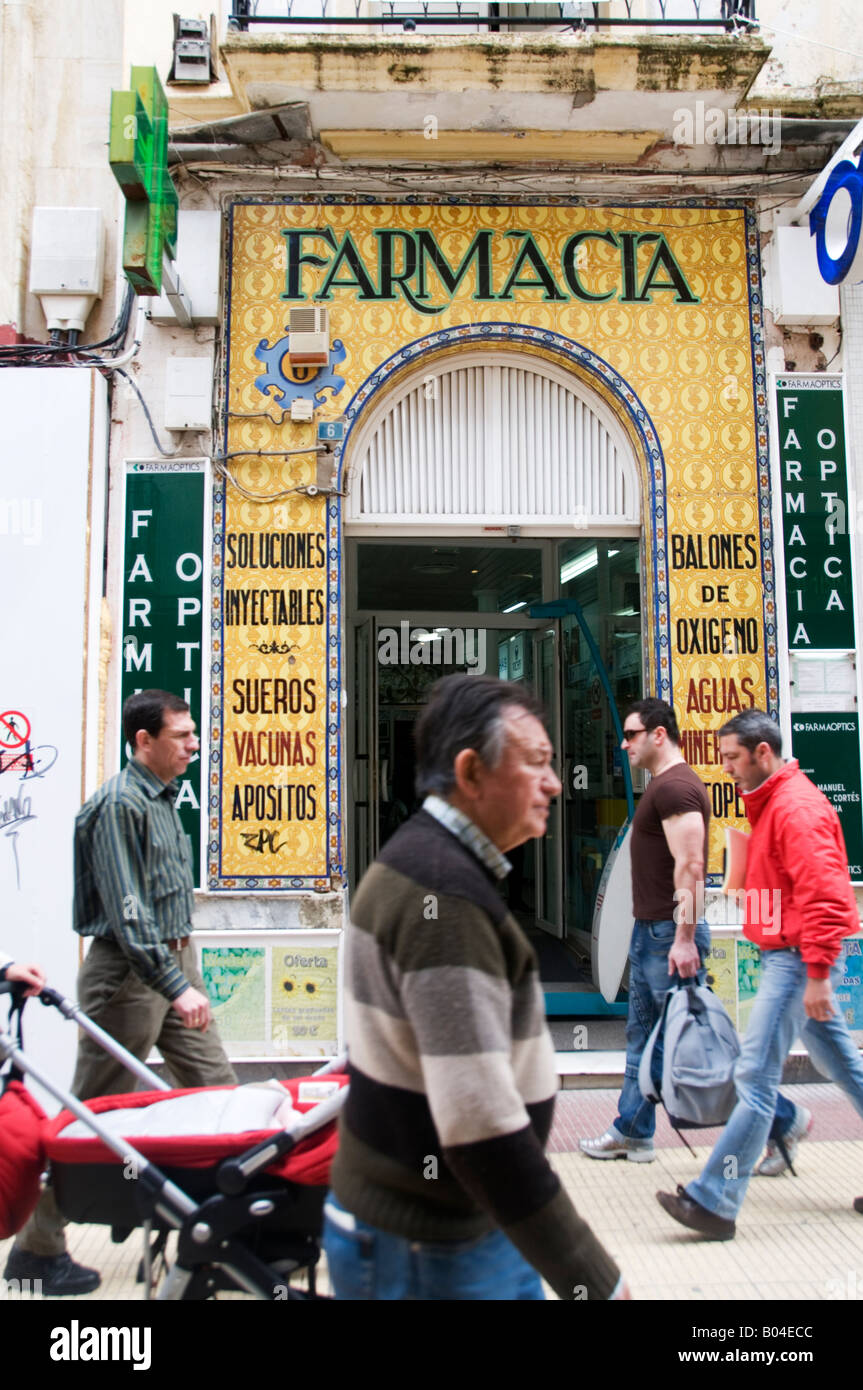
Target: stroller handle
[
  {"x": 52, "y": 998},
  {"x": 234, "y": 1173},
  {"x": 72, "y": 1011},
  {"x": 14, "y": 987},
  {"x": 337, "y": 1064}
]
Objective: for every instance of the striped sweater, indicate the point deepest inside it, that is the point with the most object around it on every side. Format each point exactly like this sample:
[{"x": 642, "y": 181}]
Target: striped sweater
[{"x": 452, "y": 1067}]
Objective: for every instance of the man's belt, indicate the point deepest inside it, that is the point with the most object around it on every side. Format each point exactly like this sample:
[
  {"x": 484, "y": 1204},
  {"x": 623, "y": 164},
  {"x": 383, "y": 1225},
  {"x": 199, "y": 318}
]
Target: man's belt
[{"x": 176, "y": 943}]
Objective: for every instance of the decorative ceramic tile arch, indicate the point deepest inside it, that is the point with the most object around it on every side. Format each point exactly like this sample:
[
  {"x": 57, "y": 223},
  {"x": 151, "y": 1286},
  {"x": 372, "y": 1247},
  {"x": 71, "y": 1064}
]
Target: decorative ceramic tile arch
[{"x": 603, "y": 382}]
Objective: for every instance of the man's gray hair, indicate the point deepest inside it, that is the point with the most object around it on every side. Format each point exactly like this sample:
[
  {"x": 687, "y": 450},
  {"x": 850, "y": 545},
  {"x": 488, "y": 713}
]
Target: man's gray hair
[
  {"x": 753, "y": 726},
  {"x": 465, "y": 712}
]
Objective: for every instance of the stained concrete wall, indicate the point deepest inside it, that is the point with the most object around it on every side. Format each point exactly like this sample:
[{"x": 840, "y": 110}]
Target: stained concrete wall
[{"x": 815, "y": 54}]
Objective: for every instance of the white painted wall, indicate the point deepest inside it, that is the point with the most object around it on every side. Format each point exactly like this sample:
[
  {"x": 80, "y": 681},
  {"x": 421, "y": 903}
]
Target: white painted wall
[
  {"x": 16, "y": 159},
  {"x": 54, "y": 428},
  {"x": 813, "y": 47},
  {"x": 60, "y": 62}
]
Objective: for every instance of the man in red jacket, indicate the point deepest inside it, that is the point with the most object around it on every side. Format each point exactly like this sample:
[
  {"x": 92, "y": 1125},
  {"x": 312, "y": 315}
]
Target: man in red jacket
[{"x": 799, "y": 908}]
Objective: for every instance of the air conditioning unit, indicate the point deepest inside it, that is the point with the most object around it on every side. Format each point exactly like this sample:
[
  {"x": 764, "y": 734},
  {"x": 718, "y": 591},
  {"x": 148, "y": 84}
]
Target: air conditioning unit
[{"x": 309, "y": 337}]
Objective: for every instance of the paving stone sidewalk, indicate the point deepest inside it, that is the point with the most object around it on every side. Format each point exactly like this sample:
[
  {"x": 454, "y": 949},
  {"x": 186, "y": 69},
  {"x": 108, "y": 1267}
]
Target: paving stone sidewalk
[{"x": 797, "y": 1238}]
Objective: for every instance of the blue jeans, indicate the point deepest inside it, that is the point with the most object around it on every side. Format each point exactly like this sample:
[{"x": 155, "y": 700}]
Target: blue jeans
[
  {"x": 367, "y": 1263},
  {"x": 649, "y": 982},
  {"x": 776, "y": 1019}
]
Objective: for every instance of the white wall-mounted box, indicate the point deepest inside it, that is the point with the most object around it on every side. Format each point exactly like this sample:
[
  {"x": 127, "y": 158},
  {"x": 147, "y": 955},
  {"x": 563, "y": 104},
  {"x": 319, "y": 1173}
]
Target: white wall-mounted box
[
  {"x": 67, "y": 258},
  {"x": 188, "y": 393},
  {"x": 799, "y": 296},
  {"x": 67, "y": 251}
]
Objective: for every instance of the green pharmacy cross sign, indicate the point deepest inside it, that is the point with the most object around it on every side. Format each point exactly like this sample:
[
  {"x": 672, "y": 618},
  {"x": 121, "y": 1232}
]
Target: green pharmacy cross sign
[{"x": 138, "y": 155}]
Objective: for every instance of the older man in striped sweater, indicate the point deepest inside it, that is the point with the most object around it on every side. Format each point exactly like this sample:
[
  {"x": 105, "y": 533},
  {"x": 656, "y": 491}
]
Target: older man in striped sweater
[{"x": 441, "y": 1188}]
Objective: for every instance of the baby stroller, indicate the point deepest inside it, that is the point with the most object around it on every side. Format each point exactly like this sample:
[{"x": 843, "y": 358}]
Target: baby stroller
[{"x": 247, "y": 1205}]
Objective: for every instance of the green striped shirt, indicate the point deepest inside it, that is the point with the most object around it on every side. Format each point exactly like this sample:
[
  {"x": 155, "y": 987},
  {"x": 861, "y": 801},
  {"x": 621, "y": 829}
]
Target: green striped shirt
[{"x": 133, "y": 874}]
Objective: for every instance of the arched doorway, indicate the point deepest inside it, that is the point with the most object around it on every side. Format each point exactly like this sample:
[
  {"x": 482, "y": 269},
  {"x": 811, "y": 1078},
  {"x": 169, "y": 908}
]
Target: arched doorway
[{"x": 481, "y": 487}]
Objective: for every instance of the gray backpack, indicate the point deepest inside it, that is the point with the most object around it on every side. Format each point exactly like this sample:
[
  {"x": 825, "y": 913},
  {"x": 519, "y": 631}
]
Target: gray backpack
[{"x": 688, "y": 1062}]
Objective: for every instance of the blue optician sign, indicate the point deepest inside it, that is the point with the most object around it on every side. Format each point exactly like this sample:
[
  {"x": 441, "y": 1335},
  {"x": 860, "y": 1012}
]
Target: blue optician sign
[
  {"x": 834, "y": 205},
  {"x": 331, "y": 431},
  {"x": 836, "y": 221}
]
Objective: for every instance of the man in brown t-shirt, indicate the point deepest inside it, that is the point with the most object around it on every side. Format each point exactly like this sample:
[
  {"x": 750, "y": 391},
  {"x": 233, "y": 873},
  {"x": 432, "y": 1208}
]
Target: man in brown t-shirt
[{"x": 669, "y": 857}]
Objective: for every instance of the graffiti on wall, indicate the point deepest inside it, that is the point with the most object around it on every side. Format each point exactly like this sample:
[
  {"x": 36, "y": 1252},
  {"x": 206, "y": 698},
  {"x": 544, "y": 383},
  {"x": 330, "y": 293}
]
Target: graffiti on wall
[{"x": 22, "y": 763}]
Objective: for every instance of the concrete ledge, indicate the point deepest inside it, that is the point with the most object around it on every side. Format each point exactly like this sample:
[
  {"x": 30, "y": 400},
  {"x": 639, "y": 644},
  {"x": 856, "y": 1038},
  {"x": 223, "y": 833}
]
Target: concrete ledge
[
  {"x": 597, "y": 1070},
  {"x": 589, "y": 1070},
  {"x": 594, "y": 1069}
]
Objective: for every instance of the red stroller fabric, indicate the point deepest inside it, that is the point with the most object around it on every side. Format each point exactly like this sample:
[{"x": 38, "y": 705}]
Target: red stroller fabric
[
  {"x": 309, "y": 1163},
  {"x": 22, "y": 1156}
]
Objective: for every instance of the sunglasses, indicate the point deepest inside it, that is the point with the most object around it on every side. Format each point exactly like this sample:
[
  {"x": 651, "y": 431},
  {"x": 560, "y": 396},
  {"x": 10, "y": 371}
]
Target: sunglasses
[{"x": 630, "y": 735}]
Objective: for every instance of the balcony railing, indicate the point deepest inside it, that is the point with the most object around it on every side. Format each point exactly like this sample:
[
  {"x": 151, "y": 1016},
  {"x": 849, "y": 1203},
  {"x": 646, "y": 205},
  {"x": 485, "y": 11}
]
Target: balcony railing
[{"x": 504, "y": 17}]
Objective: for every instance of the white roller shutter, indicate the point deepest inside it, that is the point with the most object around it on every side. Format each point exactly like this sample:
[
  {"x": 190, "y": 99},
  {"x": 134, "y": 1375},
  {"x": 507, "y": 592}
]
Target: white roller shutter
[{"x": 492, "y": 441}]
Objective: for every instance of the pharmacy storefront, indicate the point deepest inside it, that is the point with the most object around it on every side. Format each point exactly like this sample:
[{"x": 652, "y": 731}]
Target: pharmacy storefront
[
  {"x": 459, "y": 435},
  {"x": 529, "y": 440}
]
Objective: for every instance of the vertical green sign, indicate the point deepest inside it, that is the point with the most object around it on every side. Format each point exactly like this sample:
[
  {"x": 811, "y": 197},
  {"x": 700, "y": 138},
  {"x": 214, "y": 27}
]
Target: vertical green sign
[
  {"x": 813, "y": 489},
  {"x": 163, "y": 601},
  {"x": 827, "y": 747}
]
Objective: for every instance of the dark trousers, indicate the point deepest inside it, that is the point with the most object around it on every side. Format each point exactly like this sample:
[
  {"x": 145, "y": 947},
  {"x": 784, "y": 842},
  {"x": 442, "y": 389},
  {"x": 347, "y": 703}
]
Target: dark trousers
[{"x": 112, "y": 995}]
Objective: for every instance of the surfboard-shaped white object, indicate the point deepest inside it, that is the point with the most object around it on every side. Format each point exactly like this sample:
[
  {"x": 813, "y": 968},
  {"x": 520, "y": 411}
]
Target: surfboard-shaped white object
[{"x": 611, "y": 932}]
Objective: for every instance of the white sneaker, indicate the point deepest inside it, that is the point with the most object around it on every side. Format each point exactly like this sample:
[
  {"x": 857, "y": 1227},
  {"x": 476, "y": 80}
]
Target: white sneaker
[
  {"x": 773, "y": 1163},
  {"x": 610, "y": 1145}
]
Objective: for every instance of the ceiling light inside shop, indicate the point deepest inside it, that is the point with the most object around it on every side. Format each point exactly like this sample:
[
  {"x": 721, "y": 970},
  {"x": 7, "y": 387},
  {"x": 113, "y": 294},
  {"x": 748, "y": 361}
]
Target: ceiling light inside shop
[{"x": 581, "y": 564}]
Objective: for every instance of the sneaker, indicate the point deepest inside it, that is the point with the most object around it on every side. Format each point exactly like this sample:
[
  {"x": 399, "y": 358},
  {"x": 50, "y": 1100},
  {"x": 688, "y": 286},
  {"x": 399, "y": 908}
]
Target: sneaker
[
  {"x": 774, "y": 1161},
  {"x": 58, "y": 1274},
  {"x": 858, "y": 1205},
  {"x": 611, "y": 1145}
]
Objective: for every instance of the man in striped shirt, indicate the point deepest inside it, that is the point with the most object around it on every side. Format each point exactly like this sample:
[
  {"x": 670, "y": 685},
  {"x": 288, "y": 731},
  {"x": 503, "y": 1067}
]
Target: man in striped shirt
[
  {"x": 441, "y": 1186},
  {"x": 140, "y": 980}
]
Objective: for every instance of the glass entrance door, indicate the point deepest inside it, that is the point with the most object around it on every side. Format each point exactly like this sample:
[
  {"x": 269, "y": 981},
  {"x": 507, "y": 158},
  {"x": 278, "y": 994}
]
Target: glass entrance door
[
  {"x": 563, "y": 617},
  {"x": 548, "y": 851},
  {"x": 601, "y": 673},
  {"x": 362, "y": 749}
]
